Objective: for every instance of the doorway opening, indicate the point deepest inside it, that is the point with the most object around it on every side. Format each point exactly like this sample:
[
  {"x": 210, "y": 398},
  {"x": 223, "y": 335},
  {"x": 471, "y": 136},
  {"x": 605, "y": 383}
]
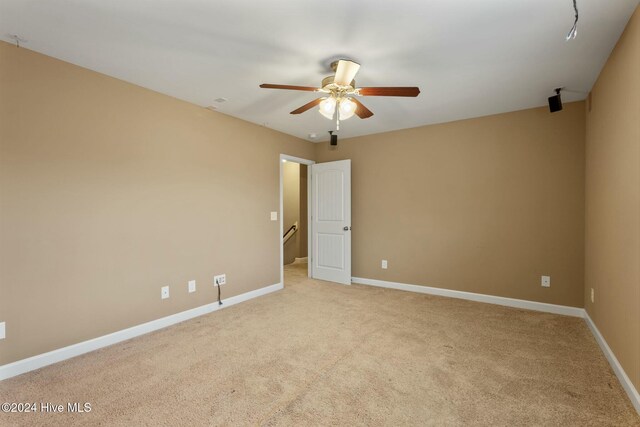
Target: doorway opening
[
  {"x": 295, "y": 224},
  {"x": 294, "y": 213}
]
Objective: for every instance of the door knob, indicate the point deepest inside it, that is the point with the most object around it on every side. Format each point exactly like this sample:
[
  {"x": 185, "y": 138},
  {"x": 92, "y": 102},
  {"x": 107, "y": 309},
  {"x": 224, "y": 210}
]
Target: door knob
[{"x": 346, "y": 228}]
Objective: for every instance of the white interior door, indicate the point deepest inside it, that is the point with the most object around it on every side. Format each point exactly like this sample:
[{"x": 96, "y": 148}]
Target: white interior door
[{"x": 331, "y": 221}]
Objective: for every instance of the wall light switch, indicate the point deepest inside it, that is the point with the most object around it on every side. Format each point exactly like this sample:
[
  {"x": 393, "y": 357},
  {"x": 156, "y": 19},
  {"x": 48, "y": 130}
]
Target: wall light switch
[
  {"x": 384, "y": 264},
  {"x": 192, "y": 286},
  {"x": 545, "y": 281},
  {"x": 164, "y": 292},
  {"x": 2, "y": 331},
  {"x": 274, "y": 216}
]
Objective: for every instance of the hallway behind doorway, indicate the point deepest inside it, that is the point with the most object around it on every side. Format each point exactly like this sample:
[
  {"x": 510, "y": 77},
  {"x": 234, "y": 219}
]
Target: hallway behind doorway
[{"x": 294, "y": 186}]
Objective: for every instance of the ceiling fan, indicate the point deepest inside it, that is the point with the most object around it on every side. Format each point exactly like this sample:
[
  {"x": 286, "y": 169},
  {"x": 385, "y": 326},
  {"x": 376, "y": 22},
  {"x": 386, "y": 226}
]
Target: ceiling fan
[{"x": 340, "y": 93}]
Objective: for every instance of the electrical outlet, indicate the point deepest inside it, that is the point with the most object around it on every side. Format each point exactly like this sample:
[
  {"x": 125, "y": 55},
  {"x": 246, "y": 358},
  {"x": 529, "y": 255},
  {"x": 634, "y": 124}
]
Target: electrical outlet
[
  {"x": 545, "y": 281},
  {"x": 220, "y": 280},
  {"x": 274, "y": 216},
  {"x": 192, "y": 286},
  {"x": 384, "y": 264},
  {"x": 164, "y": 292},
  {"x": 2, "y": 331},
  {"x": 592, "y": 295}
]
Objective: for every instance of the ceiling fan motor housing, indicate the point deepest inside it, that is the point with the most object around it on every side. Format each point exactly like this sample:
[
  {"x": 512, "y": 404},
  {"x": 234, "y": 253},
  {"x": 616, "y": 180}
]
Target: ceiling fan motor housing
[{"x": 329, "y": 80}]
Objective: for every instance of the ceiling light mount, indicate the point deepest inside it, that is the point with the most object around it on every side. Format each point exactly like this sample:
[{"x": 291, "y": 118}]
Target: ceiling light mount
[{"x": 334, "y": 65}]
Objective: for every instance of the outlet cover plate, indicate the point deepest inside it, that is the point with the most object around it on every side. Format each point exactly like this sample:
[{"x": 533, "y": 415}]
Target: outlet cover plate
[
  {"x": 220, "y": 279},
  {"x": 192, "y": 286},
  {"x": 164, "y": 292},
  {"x": 384, "y": 264},
  {"x": 545, "y": 281},
  {"x": 2, "y": 331}
]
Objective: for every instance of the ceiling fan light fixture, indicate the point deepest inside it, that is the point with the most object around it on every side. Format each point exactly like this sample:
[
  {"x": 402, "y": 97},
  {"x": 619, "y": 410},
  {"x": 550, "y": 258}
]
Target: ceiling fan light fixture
[
  {"x": 328, "y": 107},
  {"x": 347, "y": 108}
]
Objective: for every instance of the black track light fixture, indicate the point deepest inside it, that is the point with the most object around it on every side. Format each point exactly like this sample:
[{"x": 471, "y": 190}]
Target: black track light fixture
[
  {"x": 555, "y": 101},
  {"x": 334, "y": 138}
]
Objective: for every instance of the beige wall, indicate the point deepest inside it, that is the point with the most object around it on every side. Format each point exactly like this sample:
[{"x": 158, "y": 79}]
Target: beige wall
[
  {"x": 613, "y": 201},
  {"x": 485, "y": 205},
  {"x": 110, "y": 191},
  {"x": 291, "y": 208}
]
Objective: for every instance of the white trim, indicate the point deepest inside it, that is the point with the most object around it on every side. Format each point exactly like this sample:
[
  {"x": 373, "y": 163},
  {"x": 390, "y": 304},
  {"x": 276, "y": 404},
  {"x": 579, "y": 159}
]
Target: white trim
[
  {"x": 281, "y": 209},
  {"x": 490, "y": 299},
  {"x": 633, "y": 394},
  {"x": 309, "y": 222},
  {"x": 51, "y": 357}
]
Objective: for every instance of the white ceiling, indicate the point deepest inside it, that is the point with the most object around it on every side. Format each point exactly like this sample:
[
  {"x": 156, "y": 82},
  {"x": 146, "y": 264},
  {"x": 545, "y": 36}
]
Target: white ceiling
[{"x": 469, "y": 58}]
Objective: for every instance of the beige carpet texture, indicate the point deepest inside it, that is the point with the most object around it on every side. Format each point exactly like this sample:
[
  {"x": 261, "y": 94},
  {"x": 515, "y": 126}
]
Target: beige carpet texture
[{"x": 318, "y": 353}]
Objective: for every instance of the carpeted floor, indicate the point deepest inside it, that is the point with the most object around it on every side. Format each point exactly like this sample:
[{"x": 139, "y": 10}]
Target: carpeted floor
[{"x": 319, "y": 353}]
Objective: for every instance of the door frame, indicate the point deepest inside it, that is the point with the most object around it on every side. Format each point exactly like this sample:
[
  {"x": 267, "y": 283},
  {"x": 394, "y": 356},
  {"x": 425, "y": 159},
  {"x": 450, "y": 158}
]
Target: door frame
[{"x": 308, "y": 163}]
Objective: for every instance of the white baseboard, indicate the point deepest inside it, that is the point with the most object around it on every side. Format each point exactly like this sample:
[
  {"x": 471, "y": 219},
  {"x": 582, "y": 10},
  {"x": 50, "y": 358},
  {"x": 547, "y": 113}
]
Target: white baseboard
[
  {"x": 51, "y": 357},
  {"x": 490, "y": 299},
  {"x": 615, "y": 365}
]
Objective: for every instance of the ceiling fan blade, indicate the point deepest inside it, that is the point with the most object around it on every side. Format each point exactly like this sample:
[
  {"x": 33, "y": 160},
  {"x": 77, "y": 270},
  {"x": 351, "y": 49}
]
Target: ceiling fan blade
[
  {"x": 345, "y": 72},
  {"x": 289, "y": 87},
  {"x": 362, "y": 111},
  {"x": 389, "y": 91},
  {"x": 306, "y": 106}
]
